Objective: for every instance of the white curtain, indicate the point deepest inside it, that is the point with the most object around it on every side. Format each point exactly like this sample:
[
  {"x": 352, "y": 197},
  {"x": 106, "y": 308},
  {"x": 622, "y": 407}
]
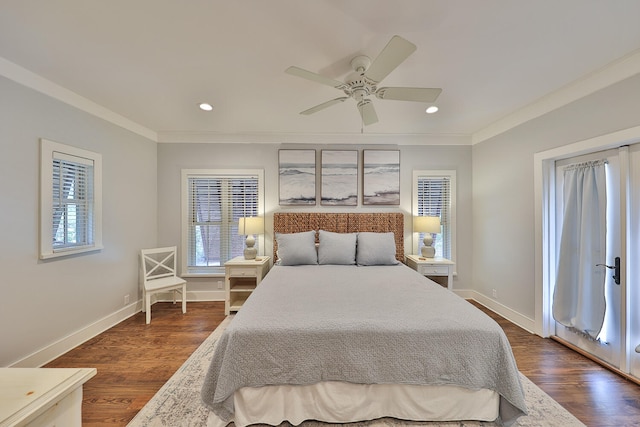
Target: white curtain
[{"x": 579, "y": 298}]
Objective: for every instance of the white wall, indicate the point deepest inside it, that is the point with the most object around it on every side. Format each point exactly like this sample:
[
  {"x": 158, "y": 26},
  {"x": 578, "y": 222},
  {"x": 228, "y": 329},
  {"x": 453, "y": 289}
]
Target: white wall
[
  {"x": 45, "y": 302},
  {"x": 503, "y": 187},
  {"x": 176, "y": 156},
  {"x": 54, "y": 305}
]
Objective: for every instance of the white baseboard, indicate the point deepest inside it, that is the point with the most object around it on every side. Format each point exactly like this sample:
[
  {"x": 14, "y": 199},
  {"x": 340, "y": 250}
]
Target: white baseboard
[
  {"x": 195, "y": 296},
  {"x": 524, "y": 322},
  {"x": 192, "y": 296},
  {"x": 58, "y": 348}
]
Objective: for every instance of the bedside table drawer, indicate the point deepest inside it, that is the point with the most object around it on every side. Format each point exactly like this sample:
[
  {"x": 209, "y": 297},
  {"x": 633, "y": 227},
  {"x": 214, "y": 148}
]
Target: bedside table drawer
[
  {"x": 433, "y": 270},
  {"x": 242, "y": 271}
]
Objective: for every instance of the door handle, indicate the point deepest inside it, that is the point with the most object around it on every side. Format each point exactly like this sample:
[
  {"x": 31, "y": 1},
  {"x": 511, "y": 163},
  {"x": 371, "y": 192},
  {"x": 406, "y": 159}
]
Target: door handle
[{"x": 615, "y": 268}]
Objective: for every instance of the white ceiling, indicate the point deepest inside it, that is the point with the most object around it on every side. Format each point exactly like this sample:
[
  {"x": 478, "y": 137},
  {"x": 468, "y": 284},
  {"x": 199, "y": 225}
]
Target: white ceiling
[{"x": 153, "y": 61}]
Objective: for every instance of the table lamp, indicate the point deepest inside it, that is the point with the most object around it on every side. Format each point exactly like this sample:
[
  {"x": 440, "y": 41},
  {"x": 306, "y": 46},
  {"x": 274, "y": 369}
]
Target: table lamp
[
  {"x": 249, "y": 226},
  {"x": 428, "y": 225}
]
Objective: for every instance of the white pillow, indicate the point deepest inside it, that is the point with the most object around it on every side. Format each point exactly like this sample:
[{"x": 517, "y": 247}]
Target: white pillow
[
  {"x": 297, "y": 248},
  {"x": 376, "y": 249},
  {"x": 337, "y": 248}
]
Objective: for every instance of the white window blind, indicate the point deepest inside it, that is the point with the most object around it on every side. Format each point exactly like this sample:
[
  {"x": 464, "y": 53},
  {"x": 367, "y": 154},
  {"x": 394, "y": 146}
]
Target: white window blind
[
  {"x": 215, "y": 202},
  {"x": 70, "y": 200},
  {"x": 433, "y": 197}
]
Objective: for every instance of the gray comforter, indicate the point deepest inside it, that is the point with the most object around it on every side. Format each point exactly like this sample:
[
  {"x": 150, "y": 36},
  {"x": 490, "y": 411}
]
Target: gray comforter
[{"x": 365, "y": 325}]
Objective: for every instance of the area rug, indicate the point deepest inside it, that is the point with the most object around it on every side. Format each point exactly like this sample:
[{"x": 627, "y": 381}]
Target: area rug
[{"x": 178, "y": 404}]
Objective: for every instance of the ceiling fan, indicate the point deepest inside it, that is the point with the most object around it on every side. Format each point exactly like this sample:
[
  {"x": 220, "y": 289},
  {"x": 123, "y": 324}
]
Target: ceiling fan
[{"x": 365, "y": 79}]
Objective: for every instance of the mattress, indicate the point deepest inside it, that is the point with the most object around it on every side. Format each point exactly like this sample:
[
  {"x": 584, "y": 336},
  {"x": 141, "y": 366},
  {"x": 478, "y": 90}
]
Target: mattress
[{"x": 306, "y": 325}]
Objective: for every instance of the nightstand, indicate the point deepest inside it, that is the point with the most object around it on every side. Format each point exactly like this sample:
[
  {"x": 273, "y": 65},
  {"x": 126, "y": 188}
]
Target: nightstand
[
  {"x": 433, "y": 268},
  {"x": 241, "y": 276}
]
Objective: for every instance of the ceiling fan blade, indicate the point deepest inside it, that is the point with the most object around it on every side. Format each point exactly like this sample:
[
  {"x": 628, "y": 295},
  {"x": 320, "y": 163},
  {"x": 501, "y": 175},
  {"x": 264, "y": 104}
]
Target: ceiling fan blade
[
  {"x": 393, "y": 54},
  {"x": 324, "y": 105},
  {"x": 296, "y": 71},
  {"x": 368, "y": 112},
  {"x": 417, "y": 94}
]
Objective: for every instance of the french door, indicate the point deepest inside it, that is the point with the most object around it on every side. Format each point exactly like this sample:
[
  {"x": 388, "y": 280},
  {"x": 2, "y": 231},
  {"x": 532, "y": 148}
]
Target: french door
[
  {"x": 632, "y": 303},
  {"x": 609, "y": 343},
  {"x": 618, "y": 341}
]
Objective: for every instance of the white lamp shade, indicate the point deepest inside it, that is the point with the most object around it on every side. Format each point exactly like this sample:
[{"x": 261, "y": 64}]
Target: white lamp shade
[
  {"x": 426, "y": 224},
  {"x": 250, "y": 225}
]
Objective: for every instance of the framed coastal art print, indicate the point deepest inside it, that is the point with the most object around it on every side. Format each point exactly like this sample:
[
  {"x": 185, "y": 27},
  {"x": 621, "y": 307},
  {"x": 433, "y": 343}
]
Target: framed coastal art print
[
  {"x": 297, "y": 173},
  {"x": 339, "y": 182},
  {"x": 381, "y": 177}
]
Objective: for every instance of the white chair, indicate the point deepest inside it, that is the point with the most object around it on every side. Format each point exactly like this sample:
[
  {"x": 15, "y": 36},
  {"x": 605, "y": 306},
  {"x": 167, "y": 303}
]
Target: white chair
[{"x": 159, "y": 275}]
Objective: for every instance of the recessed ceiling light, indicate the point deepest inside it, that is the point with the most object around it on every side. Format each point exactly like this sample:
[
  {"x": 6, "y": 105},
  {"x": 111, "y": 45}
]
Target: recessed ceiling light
[
  {"x": 431, "y": 109},
  {"x": 206, "y": 107}
]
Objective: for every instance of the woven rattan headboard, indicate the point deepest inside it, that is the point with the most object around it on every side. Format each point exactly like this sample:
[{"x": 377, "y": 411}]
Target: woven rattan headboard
[{"x": 296, "y": 222}]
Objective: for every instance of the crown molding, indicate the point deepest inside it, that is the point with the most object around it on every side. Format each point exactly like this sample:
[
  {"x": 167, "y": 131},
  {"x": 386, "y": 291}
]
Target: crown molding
[
  {"x": 31, "y": 80},
  {"x": 615, "y": 72},
  {"x": 318, "y": 138},
  {"x": 623, "y": 68}
]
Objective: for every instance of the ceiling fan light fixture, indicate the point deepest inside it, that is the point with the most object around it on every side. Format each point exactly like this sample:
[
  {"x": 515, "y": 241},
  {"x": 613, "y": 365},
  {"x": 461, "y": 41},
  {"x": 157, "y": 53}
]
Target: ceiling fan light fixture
[
  {"x": 204, "y": 106},
  {"x": 364, "y": 81},
  {"x": 432, "y": 109}
]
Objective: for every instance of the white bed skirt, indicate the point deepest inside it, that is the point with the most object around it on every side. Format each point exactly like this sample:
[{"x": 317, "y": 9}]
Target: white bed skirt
[{"x": 340, "y": 402}]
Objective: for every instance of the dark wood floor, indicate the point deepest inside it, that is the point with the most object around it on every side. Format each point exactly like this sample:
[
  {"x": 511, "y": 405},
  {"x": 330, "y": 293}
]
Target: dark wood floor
[
  {"x": 595, "y": 395},
  {"x": 134, "y": 360}
]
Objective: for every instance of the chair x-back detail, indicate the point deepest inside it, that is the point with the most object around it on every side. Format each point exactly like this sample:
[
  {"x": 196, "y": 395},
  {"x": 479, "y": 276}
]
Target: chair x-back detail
[{"x": 159, "y": 275}]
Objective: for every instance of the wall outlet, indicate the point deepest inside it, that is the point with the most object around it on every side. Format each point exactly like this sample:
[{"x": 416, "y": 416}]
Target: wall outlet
[
  {"x": 126, "y": 299},
  {"x": 494, "y": 293},
  {"x": 219, "y": 284}
]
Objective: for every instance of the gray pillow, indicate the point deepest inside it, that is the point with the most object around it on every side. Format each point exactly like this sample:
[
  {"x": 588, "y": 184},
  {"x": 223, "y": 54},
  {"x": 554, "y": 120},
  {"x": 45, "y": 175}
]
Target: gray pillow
[
  {"x": 376, "y": 249},
  {"x": 297, "y": 248},
  {"x": 337, "y": 248}
]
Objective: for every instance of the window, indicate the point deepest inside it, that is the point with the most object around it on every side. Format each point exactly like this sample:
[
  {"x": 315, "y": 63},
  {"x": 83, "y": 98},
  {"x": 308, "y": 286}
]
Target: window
[
  {"x": 434, "y": 195},
  {"x": 212, "y": 203},
  {"x": 70, "y": 200}
]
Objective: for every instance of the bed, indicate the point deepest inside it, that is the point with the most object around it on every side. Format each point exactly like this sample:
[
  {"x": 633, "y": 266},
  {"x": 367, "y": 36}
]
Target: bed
[{"x": 356, "y": 336}]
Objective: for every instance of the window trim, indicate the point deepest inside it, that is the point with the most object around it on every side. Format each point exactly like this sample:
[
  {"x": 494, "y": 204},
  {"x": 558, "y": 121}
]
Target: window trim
[
  {"x": 185, "y": 270},
  {"x": 451, "y": 174},
  {"x": 47, "y": 150}
]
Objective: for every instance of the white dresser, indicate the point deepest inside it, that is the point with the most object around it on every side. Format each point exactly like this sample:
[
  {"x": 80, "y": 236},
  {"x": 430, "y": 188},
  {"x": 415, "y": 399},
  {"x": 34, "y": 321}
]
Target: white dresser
[{"x": 42, "y": 397}]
